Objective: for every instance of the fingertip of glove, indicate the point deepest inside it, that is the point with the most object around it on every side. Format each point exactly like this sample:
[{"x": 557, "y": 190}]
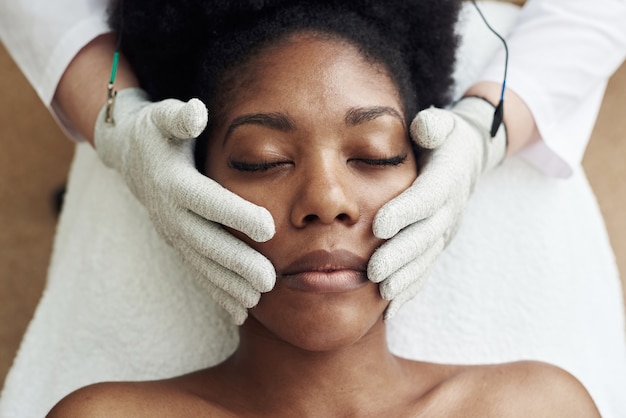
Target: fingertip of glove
[
  {"x": 251, "y": 301},
  {"x": 264, "y": 228},
  {"x": 387, "y": 290},
  {"x": 383, "y": 226},
  {"x": 193, "y": 118},
  {"x": 239, "y": 317},
  {"x": 390, "y": 312},
  {"x": 376, "y": 268},
  {"x": 267, "y": 283},
  {"x": 263, "y": 234},
  {"x": 430, "y": 128}
]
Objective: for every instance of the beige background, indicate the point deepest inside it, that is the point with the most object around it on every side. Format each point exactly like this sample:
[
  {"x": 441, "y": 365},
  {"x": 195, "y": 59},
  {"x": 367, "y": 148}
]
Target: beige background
[{"x": 34, "y": 159}]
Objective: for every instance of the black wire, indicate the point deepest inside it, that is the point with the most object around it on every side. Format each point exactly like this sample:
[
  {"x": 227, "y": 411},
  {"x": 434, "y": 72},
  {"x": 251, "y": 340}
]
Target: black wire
[{"x": 506, "y": 48}]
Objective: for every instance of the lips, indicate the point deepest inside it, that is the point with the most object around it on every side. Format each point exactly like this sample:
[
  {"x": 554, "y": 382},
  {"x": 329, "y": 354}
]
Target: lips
[{"x": 326, "y": 272}]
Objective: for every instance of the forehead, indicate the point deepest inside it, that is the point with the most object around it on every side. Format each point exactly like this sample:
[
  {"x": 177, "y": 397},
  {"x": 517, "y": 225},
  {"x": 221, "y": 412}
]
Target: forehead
[{"x": 310, "y": 71}]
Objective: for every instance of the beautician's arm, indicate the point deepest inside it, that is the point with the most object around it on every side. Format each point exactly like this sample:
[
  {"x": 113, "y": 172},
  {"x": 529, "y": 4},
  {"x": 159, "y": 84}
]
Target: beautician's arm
[
  {"x": 81, "y": 92},
  {"x": 63, "y": 49},
  {"x": 562, "y": 54},
  {"x": 421, "y": 222},
  {"x": 151, "y": 146},
  {"x": 521, "y": 129}
]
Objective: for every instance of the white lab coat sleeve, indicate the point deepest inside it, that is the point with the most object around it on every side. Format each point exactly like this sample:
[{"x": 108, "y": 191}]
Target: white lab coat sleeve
[
  {"x": 44, "y": 36},
  {"x": 561, "y": 55}
]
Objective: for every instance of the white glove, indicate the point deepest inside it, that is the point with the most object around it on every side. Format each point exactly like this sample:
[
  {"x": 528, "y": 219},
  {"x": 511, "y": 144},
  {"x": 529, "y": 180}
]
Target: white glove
[
  {"x": 151, "y": 146},
  {"x": 428, "y": 213}
]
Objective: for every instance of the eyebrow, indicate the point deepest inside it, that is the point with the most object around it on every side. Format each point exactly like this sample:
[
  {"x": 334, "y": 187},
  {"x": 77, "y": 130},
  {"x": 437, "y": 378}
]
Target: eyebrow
[
  {"x": 278, "y": 121},
  {"x": 358, "y": 115},
  {"x": 281, "y": 122}
]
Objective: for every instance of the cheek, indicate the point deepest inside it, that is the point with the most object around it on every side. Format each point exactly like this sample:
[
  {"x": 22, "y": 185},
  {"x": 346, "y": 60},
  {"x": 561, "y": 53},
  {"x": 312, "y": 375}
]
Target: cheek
[{"x": 376, "y": 191}]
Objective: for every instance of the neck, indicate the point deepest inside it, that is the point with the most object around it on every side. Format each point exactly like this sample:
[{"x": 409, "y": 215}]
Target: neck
[{"x": 339, "y": 381}]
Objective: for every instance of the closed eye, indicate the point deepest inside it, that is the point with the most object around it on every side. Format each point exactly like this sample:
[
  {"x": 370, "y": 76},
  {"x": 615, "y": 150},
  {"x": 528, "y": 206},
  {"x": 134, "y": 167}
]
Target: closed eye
[
  {"x": 255, "y": 167},
  {"x": 382, "y": 162}
]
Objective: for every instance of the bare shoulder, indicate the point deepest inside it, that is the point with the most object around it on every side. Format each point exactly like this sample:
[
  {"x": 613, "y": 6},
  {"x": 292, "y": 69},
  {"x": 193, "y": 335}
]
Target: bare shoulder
[
  {"x": 134, "y": 399},
  {"x": 99, "y": 400},
  {"x": 551, "y": 391},
  {"x": 528, "y": 388}
]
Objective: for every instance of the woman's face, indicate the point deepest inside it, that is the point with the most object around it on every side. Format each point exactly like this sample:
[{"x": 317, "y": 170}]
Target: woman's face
[{"x": 316, "y": 135}]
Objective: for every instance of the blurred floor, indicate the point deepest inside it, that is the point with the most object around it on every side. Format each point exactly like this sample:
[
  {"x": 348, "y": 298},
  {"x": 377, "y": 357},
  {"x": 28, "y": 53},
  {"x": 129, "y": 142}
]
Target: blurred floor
[{"x": 34, "y": 159}]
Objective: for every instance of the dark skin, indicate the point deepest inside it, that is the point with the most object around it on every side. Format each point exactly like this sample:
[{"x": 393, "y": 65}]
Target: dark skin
[{"x": 315, "y": 345}]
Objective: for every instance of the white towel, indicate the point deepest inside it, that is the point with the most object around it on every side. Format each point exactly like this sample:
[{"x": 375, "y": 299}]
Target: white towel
[{"x": 530, "y": 275}]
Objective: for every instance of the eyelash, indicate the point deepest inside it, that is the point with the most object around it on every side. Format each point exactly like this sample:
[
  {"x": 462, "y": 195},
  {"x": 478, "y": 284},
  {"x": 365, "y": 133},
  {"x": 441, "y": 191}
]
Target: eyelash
[
  {"x": 383, "y": 162},
  {"x": 254, "y": 167},
  {"x": 267, "y": 165}
]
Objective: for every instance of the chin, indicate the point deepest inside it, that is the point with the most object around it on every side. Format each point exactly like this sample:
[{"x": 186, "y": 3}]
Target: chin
[{"x": 320, "y": 322}]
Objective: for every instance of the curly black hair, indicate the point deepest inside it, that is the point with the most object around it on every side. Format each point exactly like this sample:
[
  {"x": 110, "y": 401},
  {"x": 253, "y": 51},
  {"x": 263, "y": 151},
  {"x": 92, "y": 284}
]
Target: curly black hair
[
  {"x": 172, "y": 44},
  {"x": 185, "y": 48}
]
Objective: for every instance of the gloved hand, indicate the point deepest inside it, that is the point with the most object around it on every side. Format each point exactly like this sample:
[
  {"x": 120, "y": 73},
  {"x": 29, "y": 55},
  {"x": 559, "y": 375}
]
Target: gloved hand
[
  {"x": 427, "y": 214},
  {"x": 151, "y": 146}
]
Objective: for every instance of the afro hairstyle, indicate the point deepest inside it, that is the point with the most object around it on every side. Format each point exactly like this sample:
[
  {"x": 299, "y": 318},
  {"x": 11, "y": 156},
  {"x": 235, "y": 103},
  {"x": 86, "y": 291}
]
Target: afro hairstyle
[{"x": 182, "y": 48}]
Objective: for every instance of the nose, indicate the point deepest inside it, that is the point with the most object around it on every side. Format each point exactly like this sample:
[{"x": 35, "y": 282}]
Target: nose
[{"x": 326, "y": 196}]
